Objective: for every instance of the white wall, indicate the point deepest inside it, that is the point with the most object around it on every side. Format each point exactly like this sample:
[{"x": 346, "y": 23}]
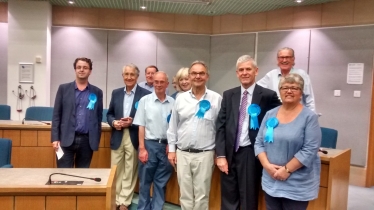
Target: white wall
[{"x": 3, "y": 62}]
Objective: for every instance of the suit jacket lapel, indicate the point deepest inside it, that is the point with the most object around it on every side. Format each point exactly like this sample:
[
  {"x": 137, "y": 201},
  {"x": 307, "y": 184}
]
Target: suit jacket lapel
[
  {"x": 121, "y": 97},
  {"x": 236, "y": 96},
  {"x": 71, "y": 94},
  {"x": 137, "y": 97}
]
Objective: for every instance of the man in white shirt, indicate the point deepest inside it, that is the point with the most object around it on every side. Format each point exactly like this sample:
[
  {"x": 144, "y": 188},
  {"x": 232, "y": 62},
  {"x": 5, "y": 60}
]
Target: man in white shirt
[
  {"x": 286, "y": 61},
  {"x": 191, "y": 137}
]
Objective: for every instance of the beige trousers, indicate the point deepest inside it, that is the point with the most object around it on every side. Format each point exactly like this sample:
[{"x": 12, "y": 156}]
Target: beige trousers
[
  {"x": 194, "y": 171},
  {"x": 126, "y": 159}
]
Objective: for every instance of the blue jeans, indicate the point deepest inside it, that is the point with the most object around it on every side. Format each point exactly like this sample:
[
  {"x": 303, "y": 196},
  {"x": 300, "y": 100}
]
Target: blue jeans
[
  {"x": 80, "y": 149},
  {"x": 157, "y": 170}
]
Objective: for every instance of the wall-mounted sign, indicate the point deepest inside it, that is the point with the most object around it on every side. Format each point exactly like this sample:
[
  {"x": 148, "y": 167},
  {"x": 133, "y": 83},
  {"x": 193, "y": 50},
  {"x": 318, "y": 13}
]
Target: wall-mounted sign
[
  {"x": 26, "y": 72},
  {"x": 355, "y": 74}
]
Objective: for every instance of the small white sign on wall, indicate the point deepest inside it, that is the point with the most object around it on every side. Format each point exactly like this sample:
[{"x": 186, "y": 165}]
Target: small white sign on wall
[
  {"x": 26, "y": 72},
  {"x": 355, "y": 74}
]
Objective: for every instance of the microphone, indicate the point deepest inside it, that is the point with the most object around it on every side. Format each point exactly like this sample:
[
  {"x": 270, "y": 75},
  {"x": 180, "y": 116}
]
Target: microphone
[
  {"x": 45, "y": 123},
  {"x": 323, "y": 151},
  {"x": 95, "y": 179}
]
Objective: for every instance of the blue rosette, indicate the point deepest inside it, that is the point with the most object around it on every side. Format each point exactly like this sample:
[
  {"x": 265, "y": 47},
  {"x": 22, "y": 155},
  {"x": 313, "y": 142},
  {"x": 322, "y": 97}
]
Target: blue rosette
[
  {"x": 204, "y": 106},
  {"x": 271, "y": 123},
  {"x": 136, "y": 105},
  {"x": 254, "y": 110},
  {"x": 168, "y": 118},
  {"x": 92, "y": 98}
]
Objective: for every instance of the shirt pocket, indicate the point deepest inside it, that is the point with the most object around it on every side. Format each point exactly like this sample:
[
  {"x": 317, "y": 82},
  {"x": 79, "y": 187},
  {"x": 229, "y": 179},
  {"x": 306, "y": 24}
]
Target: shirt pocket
[{"x": 210, "y": 114}]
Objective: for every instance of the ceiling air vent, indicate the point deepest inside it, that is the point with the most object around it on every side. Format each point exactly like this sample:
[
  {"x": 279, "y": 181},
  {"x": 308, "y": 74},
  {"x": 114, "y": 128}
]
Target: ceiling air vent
[{"x": 207, "y": 2}]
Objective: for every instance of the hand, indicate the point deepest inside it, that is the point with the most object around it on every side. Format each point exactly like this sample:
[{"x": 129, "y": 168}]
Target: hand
[
  {"x": 56, "y": 145},
  {"x": 172, "y": 158},
  {"x": 281, "y": 174},
  {"x": 222, "y": 165},
  {"x": 272, "y": 169},
  {"x": 167, "y": 149},
  {"x": 117, "y": 124},
  {"x": 143, "y": 155},
  {"x": 126, "y": 122}
]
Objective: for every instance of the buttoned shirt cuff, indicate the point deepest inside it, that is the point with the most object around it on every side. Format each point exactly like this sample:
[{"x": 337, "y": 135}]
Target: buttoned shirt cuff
[
  {"x": 113, "y": 123},
  {"x": 221, "y": 156},
  {"x": 171, "y": 147}
]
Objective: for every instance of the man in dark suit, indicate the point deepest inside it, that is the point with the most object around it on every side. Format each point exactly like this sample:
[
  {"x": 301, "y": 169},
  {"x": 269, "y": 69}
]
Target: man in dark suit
[
  {"x": 124, "y": 140},
  {"x": 236, "y": 136},
  {"x": 77, "y": 115}
]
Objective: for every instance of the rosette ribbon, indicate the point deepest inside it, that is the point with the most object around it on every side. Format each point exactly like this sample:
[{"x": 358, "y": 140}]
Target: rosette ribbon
[
  {"x": 168, "y": 118},
  {"x": 204, "y": 106},
  {"x": 136, "y": 105},
  {"x": 254, "y": 110},
  {"x": 271, "y": 123},
  {"x": 92, "y": 98}
]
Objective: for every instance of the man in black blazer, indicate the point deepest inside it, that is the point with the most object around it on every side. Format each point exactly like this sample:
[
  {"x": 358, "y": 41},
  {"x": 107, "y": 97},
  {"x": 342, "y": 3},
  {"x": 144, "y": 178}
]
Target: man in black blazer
[
  {"x": 235, "y": 137},
  {"x": 124, "y": 140},
  {"x": 77, "y": 115}
]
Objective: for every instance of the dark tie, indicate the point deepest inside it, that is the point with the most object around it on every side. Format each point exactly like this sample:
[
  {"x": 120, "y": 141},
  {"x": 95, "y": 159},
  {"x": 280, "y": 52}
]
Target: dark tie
[{"x": 242, "y": 115}]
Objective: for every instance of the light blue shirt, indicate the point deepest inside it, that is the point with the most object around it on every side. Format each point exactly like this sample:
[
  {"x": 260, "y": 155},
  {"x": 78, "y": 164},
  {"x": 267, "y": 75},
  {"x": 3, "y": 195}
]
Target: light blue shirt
[
  {"x": 127, "y": 101},
  {"x": 152, "y": 114},
  {"x": 301, "y": 139}
]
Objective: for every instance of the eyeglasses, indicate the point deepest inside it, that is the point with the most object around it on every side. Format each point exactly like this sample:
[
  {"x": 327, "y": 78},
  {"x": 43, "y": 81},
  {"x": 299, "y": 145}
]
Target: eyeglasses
[
  {"x": 201, "y": 74},
  {"x": 82, "y": 67},
  {"x": 292, "y": 89},
  {"x": 285, "y": 57}
]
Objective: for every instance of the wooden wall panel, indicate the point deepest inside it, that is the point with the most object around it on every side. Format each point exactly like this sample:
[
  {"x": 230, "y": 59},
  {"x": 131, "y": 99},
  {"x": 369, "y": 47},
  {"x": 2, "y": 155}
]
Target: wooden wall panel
[
  {"x": 44, "y": 139},
  {"x": 3, "y": 12},
  {"x": 32, "y": 157},
  {"x": 101, "y": 158},
  {"x": 1, "y": 133},
  {"x": 111, "y": 18},
  {"x": 62, "y": 16},
  {"x": 29, "y": 138},
  {"x": 172, "y": 189},
  {"x": 205, "y": 24},
  {"x": 280, "y": 19},
  {"x": 161, "y": 21},
  {"x": 216, "y": 25},
  {"x": 90, "y": 202},
  {"x": 231, "y": 23},
  {"x": 61, "y": 202},
  {"x": 337, "y": 13},
  {"x": 107, "y": 136},
  {"x": 88, "y": 17},
  {"x": 29, "y": 202},
  {"x": 254, "y": 22},
  {"x": 7, "y": 202},
  {"x": 307, "y": 16},
  {"x": 363, "y": 12},
  {"x": 14, "y": 135},
  {"x": 186, "y": 23},
  {"x": 137, "y": 20}
]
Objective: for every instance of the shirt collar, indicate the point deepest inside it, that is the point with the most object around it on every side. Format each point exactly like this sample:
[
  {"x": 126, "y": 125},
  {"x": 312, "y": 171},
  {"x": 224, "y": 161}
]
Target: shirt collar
[
  {"x": 151, "y": 86},
  {"x": 280, "y": 74},
  {"x": 155, "y": 98},
  {"x": 249, "y": 90},
  {"x": 76, "y": 87},
  {"x": 193, "y": 96},
  {"x": 133, "y": 89}
]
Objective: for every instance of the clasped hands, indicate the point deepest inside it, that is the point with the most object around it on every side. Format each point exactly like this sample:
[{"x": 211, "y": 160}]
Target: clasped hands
[
  {"x": 123, "y": 123},
  {"x": 277, "y": 172}
]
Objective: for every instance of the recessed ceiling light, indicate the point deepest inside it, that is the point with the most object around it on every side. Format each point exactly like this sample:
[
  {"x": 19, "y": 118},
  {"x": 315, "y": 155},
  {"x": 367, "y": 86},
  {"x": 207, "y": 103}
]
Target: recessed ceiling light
[
  {"x": 299, "y": 1},
  {"x": 143, "y": 7},
  {"x": 71, "y": 2}
]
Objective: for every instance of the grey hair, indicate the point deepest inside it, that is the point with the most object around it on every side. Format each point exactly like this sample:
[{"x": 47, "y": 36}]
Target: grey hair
[
  {"x": 201, "y": 63},
  {"x": 164, "y": 73},
  {"x": 286, "y": 48},
  {"x": 133, "y": 66},
  {"x": 292, "y": 79},
  {"x": 245, "y": 58}
]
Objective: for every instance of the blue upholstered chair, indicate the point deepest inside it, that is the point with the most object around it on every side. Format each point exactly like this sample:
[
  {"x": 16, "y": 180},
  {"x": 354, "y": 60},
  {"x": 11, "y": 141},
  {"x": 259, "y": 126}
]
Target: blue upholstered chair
[
  {"x": 329, "y": 137},
  {"x": 5, "y": 153},
  {"x": 41, "y": 113},
  {"x": 105, "y": 111},
  {"x": 4, "y": 112}
]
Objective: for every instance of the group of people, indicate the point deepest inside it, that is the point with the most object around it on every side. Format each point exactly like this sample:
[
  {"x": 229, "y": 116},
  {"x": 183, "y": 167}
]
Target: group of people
[{"x": 265, "y": 132}]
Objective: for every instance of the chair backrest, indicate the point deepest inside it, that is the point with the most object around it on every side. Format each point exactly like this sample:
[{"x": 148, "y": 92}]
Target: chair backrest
[
  {"x": 105, "y": 111},
  {"x": 4, "y": 112},
  {"x": 41, "y": 113},
  {"x": 329, "y": 137},
  {"x": 5, "y": 151}
]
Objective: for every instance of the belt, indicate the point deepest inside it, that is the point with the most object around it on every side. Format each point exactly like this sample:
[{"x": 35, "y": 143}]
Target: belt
[
  {"x": 195, "y": 150},
  {"x": 81, "y": 134},
  {"x": 161, "y": 141}
]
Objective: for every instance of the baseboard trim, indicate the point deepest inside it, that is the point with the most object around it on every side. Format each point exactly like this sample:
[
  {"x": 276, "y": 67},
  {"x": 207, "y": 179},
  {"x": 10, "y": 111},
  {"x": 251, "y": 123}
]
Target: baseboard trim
[{"x": 357, "y": 176}]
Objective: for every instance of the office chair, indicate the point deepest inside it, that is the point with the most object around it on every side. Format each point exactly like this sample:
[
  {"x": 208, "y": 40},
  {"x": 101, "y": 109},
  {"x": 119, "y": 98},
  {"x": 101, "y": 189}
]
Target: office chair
[
  {"x": 4, "y": 112},
  {"x": 39, "y": 113},
  {"x": 5, "y": 153},
  {"x": 329, "y": 137}
]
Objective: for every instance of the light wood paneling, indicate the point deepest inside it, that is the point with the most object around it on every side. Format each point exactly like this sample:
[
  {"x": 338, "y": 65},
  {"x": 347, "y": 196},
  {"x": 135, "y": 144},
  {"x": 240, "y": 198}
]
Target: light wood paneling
[
  {"x": 44, "y": 139},
  {"x": 337, "y": 13},
  {"x": 161, "y": 21},
  {"x": 102, "y": 142},
  {"x": 137, "y": 20},
  {"x": 112, "y": 18},
  {"x": 324, "y": 175},
  {"x": 29, "y": 202},
  {"x": 186, "y": 23},
  {"x": 14, "y": 135},
  {"x": 215, "y": 190},
  {"x": 307, "y": 16},
  {"x": 205, "y": 24},
  {"x": 88, "y": 17},
  {"x": 363, "y": 12},
  {"x": 280, "y": 19},
  {"x": 357, "y": 176},
  {"x": 29, "y": 138},
  {"x": 101, "y": 158},
  {"x": 1, "y": 133},
  {"x": 61, "y": 202},
  {"x": 32, "y": 157},
  {"x": 3, "y": 12},
  {"x": 254, "y": 22},
  {"x": 7, "y": 202},
  {"x": 91, "y": 202},
  {"x": 370, "y": 158},
  {"x": 107, "y": 139},
  {"x": 62, "y": 16},
  {"x": 231, "y": 23},
  {"x": 321, "y": 202},
  {"x": 216, "y": 25},
  {"x": 172, "y": 189}
]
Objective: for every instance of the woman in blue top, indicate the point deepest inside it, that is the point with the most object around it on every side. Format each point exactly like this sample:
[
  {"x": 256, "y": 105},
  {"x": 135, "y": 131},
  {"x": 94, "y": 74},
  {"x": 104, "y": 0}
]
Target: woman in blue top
[{"x": 287, "y": 147}]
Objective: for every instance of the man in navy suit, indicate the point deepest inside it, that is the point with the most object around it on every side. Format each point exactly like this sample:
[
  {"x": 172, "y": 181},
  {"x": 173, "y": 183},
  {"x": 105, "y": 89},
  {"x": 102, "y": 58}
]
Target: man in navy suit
[
  {"x": 77, "y": 114},
  {"x": 124, "y": 140},
  {"x": 236, "y": 136}
]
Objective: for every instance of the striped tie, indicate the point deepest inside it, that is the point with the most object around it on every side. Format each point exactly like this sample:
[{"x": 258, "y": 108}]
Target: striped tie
[{"x": 242, "y": 115}]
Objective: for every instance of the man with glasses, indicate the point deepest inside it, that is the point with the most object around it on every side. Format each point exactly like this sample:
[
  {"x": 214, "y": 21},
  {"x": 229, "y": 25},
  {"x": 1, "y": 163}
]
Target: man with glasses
[
  {"x": 124, "y": 140},
  {"x": 191, "y": 137},
  {"x": 286, "y": 61}
]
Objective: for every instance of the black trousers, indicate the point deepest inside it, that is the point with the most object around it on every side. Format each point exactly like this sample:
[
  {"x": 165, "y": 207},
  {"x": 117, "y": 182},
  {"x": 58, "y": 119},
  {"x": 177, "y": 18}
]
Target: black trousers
[
  {"x": 273, "y": 203},
  {"x": 79, "y": 153},
  {"x": 240, "y": 188}
]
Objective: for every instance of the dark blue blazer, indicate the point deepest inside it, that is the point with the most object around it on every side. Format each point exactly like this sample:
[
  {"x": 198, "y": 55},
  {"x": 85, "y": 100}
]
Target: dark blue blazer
[
  {"x": 63, "y": 120},
  {"x": 115, "y": 112}
]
